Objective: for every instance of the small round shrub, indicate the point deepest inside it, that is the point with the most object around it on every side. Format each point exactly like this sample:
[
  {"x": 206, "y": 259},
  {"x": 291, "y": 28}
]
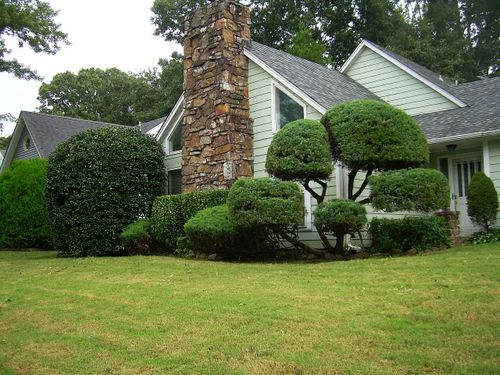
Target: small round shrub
[
  {"x": 137, "y": 239},
  {"x": 98, "y": 182},
  {"x": 24, "y": 220},
  {"x": 340, "y": 216},
  {"x": 370, "y": 134},
  {"x": 300, "y": 151},
  {"x": 264, "y": 201},
  {"x": 417, "y": 189},
  {"x": 482, "y": 200},
  {"x": 211, "y": 230}
]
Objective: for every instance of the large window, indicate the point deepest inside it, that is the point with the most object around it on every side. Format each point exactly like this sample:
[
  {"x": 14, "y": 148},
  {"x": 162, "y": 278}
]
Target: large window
[
  {"x": 286, "y": 108},
  {"x": 175, "y": 138}
]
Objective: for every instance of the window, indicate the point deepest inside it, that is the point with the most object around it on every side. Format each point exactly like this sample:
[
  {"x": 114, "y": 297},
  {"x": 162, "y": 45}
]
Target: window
[
  {"x": 175, "y": 138},
  {"x": 174, "y": 182},
  {"x": 27, "y": 143},
  {"x": 465, "y": 170},
  {"x": 286, "y": 108}
]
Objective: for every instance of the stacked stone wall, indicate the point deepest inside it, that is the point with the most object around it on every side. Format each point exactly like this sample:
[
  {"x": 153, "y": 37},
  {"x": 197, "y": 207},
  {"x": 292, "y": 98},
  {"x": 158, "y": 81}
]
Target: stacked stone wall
[{"x": 217, "y": 128}]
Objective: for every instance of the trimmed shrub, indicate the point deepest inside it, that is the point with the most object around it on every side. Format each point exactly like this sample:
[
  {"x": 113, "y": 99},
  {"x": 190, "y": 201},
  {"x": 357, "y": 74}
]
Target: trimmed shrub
[
  {"x": 482, "y": 200},
  {"x": 264, "y": 201},
  {"x": 136, "y": 238},
  {"x": 411, "y": 232},
  {"x": 211, "y": 231},
  {"x": 98, "y": 182},
  {"x": 24, "y": 220},
  {"x": 300, "y": 151},
  {"x": 370, "y": 134},
  {"x": 485, "y": 237},
  {"x": 171, "y": 212},
  {"x": 340, "y": 217},
  {"x": 410, "y": 190}
]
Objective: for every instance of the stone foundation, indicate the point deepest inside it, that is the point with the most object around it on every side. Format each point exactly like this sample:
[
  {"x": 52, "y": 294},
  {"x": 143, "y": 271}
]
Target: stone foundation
[
  {"x": 453, "y": 222},
  {"x": 217, "y": 129}
]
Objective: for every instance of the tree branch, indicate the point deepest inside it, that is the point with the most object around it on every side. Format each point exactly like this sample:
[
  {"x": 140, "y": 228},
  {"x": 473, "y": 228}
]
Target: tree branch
[{"x": 363, "y": 185}]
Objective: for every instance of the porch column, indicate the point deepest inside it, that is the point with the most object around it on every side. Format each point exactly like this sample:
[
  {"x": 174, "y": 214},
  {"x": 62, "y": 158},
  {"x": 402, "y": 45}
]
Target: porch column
[{"x": 486, "y": 157}]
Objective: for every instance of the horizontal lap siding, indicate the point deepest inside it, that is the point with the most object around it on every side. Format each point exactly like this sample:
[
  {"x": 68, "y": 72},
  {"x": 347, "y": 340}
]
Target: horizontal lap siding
[
  {"x": 393, "y": 85},
  {"x": 261, "y": 113},
  {"x": 494, "y": 147},
  {"x": 21, "y": 153}
]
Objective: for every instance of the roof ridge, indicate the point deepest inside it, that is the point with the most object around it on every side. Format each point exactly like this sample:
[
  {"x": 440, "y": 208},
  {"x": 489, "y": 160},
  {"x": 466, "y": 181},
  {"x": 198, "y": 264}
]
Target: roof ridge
[{"x": 73, "y": 118}]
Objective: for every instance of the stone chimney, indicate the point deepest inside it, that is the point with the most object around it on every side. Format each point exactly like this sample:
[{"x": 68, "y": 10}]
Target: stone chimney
[{"x": 217, "y": 132}]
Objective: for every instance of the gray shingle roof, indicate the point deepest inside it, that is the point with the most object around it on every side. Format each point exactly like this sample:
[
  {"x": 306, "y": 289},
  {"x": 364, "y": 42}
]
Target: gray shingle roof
[
  {"x": 326, "y": 87},
  {"x": 48, "y": 131},
  {"x": 147, "y": 126},
  {"x": 482, "y": 114}
]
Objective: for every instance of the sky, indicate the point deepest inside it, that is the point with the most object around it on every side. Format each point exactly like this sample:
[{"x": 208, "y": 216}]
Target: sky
[{"x": 102, "y": 33}]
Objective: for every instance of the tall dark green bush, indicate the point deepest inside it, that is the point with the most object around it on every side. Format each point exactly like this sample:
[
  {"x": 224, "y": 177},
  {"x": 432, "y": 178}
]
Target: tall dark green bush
[
  {"x": 171, "y": 212},
  {"x": 98, "y": 182},
  {"x": 24, "y": 220},
  {"x": 340, "y": 217},
  {"x": 417, "y": 189},
  {"x": 411, "y": 232},
  {"x": 482, "y": 200}
]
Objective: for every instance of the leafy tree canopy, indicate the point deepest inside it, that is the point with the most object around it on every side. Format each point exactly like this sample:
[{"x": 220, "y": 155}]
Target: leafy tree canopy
[
  {"x": 31, "y": 23},
  {"x": 112, "y": 95}
]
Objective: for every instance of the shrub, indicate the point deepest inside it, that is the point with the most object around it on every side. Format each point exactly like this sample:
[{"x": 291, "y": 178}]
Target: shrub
[
  {"x": 136, "y": 238},
  {"x": 370, "y": 134},
  {"x": 211, "y": 230},
  {"x": 24, "y": 220},
  {"x": 171, "y": 212},
  {"x": 341, "y": 217},
  {"x": 411, "y": 190},
  {"x": 411, "y": 232},
  {"x": 98, "y": 182},
  {"x": 482, "y": 200},
  {"x": 485, "y": 237},
  {"x": 264, "y": 201},
  {"x": 300, "y": 151}
]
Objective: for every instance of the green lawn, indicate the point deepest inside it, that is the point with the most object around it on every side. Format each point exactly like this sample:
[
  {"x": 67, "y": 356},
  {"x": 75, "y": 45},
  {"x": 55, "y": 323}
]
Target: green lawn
[{"x": 434, "y": 313}]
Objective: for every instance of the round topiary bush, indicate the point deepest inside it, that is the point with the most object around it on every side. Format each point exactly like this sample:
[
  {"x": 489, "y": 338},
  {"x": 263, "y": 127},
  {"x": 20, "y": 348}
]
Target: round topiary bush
[
  {"x": 482, "y": 200},
  {"x": 264, "y": 201},
  {"x": 24, "y": 221},
  {"x": 369, "y": 134},
  {"x": 418, "y": 189},
  {"x": 98, "y": 182},
  {"x": 300, "y": 151},
  {"x": 340, "y": 217}
]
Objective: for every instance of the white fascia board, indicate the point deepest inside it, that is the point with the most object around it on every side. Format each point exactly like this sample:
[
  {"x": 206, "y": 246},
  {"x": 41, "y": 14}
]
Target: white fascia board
[
  {"x": 171, "y": 117},
  {"x": 490, "y": 133},
  {"x": 425, "y": 81},
  {"x": 286, "y": 83}
]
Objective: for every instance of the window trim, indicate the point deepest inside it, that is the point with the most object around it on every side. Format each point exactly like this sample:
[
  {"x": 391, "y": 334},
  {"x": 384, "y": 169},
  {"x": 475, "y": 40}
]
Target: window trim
[
  {"x": 307, "y": 210},
  {"x": 274, "y": 102},
  {"x": 168, "y": 141}
]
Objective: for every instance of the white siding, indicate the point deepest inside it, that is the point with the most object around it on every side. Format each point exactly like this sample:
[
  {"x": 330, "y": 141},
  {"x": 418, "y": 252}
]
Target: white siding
[
  {"x": 494, "y": 147},
  {"x": 395, "y": 86}
]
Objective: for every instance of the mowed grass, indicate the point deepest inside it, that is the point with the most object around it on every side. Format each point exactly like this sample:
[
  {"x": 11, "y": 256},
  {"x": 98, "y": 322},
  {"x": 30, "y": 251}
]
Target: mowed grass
[{"x": 436, "y": 313}]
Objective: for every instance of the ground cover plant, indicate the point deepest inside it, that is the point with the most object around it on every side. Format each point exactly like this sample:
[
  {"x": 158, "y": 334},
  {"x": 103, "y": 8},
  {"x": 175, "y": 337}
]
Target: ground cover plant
[{"x": 433, "y": 313}]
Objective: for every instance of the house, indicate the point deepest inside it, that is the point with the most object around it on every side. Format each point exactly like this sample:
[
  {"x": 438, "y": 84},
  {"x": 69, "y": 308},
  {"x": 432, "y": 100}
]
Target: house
[
  {"x": 238, "y": 93},
  {"x": 37, "y": 135}
]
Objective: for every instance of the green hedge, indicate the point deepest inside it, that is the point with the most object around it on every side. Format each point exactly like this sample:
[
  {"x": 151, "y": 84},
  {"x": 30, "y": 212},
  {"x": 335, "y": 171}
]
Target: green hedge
[
  {"x": 137, "y": 239},
  {"x": 482, "y": 200},
  {"x": 411, "y": 232},
  {"x": 24, "y": 220},
  {"x": 171, "y": 212},
  {"x": 340, "y": 216}
]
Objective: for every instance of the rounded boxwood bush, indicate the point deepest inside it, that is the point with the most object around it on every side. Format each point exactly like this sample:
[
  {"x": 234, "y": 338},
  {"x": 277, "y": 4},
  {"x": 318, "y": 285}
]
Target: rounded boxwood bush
[
  {"x": 370, "y": 134},
  {"x": 300, "y": 151},
  {"x": 418, "y": 189},
  {"x": 24, "y": 221},
  {"x": 340, "y": 217},
  {"x": 264, "y": 201},
  {"x": 137, "y": 239},
  {"x": 482, "y": 200},
  {"x": 98, "y": 182}
]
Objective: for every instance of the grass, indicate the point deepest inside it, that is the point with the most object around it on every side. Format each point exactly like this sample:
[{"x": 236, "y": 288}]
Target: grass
[{"x": 436, "y": 313}]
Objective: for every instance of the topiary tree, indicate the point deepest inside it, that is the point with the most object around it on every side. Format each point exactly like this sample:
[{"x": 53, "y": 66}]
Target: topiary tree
[
  {"x": 368, "y": 136},
  {"x": 416, "y": 189},
  {"x": 340, "y": 217},
  {"x": 24, "y": 221},
  {"x": 300, "y": 151},
  {"x": 98, "y": 182},
  {"x": 482, "y": 200}
]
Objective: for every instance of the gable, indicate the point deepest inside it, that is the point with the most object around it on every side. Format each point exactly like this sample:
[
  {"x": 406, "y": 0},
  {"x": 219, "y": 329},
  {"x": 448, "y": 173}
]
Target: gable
[
  {"x": 395, "y": 85},
  {"x": 25, "y": 148}
]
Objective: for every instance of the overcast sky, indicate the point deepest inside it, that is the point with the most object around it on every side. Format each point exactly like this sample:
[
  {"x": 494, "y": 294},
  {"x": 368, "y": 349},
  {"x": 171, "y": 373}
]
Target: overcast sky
[{"x": 103, "y": 34}]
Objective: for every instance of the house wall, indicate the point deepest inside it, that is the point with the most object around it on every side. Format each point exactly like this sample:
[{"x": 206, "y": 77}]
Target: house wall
[
  {"x": 21, "y": 152},
  {"x": 494, "y": 148},
  {"x": 261, "y": 112},
  {"x": 395, "y": 86}
]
